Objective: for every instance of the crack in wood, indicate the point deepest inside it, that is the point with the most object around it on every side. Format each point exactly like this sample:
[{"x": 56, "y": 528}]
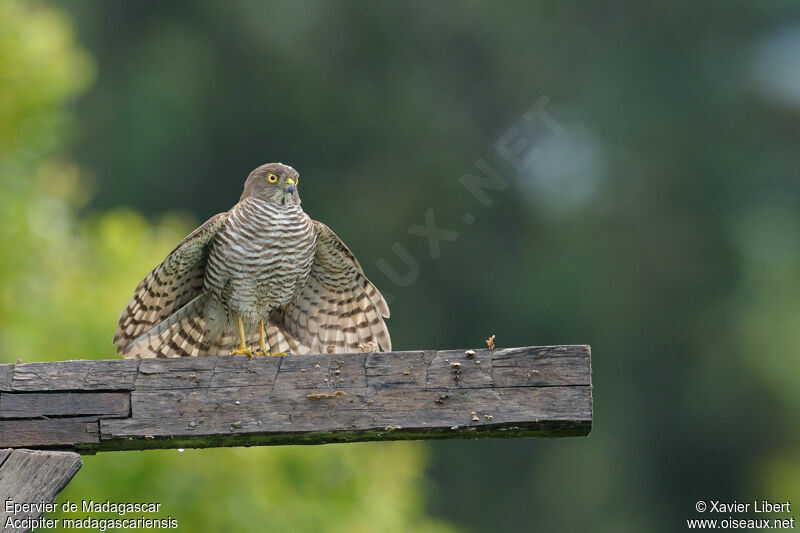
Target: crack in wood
[
  {"x": 32, "y": 477},
  {"x": 230, "y": 400}
]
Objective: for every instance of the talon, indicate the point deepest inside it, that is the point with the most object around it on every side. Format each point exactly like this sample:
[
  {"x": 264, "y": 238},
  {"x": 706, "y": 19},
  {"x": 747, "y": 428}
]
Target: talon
[{"x": 242, "y": 351}]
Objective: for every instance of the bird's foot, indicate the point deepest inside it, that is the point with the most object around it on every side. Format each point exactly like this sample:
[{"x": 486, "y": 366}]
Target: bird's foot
[
  {"x": 243, "y": 350},
  {"x": 260, "y": 351}
]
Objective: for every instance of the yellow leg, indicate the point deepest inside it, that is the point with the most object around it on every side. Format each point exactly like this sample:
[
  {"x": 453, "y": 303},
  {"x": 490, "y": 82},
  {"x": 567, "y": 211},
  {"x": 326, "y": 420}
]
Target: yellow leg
[
  {"x": 262, "y": 340},
  {"x": 243, "y": 349}
]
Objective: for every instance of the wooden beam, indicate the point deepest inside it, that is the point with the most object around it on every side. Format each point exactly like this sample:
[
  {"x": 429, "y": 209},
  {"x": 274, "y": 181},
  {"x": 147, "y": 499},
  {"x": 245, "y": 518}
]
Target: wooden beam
[
  {"x": 187, "y": 402},
  {"x": 37, "y": 404},
  {"x": 30, "y": 480}
]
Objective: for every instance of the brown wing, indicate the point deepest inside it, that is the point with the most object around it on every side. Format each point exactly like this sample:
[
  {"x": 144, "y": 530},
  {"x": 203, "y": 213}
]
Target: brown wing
[
  {"x": 338, "y": 305},
  {"x": 169, "y": 286}
]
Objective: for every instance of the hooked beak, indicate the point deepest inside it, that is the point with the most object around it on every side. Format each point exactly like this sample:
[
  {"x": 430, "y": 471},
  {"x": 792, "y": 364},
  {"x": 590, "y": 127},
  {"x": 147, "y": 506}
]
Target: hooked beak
[{"x": 290, "y": 186}]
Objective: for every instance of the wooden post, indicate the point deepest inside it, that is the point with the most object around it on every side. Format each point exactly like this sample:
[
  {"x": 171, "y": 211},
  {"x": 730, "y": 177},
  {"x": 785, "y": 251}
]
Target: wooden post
[
  {"x": 191, "y": 402},
  {"x": 30, "y": 480}
]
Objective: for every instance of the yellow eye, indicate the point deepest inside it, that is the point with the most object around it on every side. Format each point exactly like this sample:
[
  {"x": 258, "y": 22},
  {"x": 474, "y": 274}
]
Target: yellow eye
[{"x": 272, "y": 177}]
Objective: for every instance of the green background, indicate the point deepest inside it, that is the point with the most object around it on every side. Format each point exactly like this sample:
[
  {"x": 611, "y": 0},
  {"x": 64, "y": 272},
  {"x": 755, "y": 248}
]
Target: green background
[{"x": 658, "y": 221}]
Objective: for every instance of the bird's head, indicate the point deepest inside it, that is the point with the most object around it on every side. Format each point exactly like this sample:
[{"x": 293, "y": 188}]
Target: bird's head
[{"x": 275, "y": 183}]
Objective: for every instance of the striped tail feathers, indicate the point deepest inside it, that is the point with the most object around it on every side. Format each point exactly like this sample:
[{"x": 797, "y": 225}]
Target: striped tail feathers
[
  {"x": 374, "y": 320},
  {"x": 277, "y": 339},
  {"x": 368, "y": 311},
  {"x": 338, "y": 306},
  {"x": 374, "y": 295},
  {"x": 192, "y": 331},
  {"x": 350, "y": 336},
  {"x": 169, "y": 286},
  {"x": 187, "y": 332},
  {"x": 327, "y": 324}
]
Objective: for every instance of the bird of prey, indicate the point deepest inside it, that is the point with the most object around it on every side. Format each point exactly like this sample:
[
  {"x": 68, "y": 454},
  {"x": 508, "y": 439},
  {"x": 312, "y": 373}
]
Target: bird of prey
[{"x": 262, "y": 274}]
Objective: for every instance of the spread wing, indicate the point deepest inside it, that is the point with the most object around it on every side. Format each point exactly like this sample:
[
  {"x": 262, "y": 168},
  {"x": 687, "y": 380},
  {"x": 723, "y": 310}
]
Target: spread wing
[
  {"x": 338, "y": 306},
  {"x": 169, "y": 286}
]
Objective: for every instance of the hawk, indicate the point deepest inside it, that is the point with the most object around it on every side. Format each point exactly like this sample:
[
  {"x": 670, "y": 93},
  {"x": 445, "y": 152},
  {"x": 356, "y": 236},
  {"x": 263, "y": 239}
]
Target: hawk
[{"x": 263, "y": 274}]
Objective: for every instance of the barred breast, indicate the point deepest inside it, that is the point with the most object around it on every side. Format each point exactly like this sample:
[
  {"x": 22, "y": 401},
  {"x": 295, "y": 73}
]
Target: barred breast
[{"x": 260, "y": 258}]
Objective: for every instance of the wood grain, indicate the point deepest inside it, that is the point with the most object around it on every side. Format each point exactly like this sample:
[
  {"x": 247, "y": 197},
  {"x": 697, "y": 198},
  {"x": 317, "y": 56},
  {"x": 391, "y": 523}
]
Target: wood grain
[
  {"x": 32, "y": 477},
  {"x": 69, "y": 375},
  {"x": 60, "y": 433},
  {"x": 37, "y": 404},
  {"x": 93, "y": 406}
]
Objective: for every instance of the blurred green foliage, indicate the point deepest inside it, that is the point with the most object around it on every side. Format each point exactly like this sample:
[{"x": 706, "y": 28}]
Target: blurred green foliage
[
  {"x": 661, "y": 226},
  {"x": 64, "y": 278}
]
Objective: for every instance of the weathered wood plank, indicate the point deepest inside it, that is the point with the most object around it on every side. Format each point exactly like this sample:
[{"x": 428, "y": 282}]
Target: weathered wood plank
[
  {"x": 39, "y": 404},
  {"x": 543, "y": 366},
  {"x": 6, "y": 371},
  {"x": 309, "y": 399},
  {"x": 52, "y": 433},
  {"x": 202, "y": 420},
  {"x": 79, "y": 375},
  {"x": 30, "y": 480},
  {"x": 206, "y": 372}
]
